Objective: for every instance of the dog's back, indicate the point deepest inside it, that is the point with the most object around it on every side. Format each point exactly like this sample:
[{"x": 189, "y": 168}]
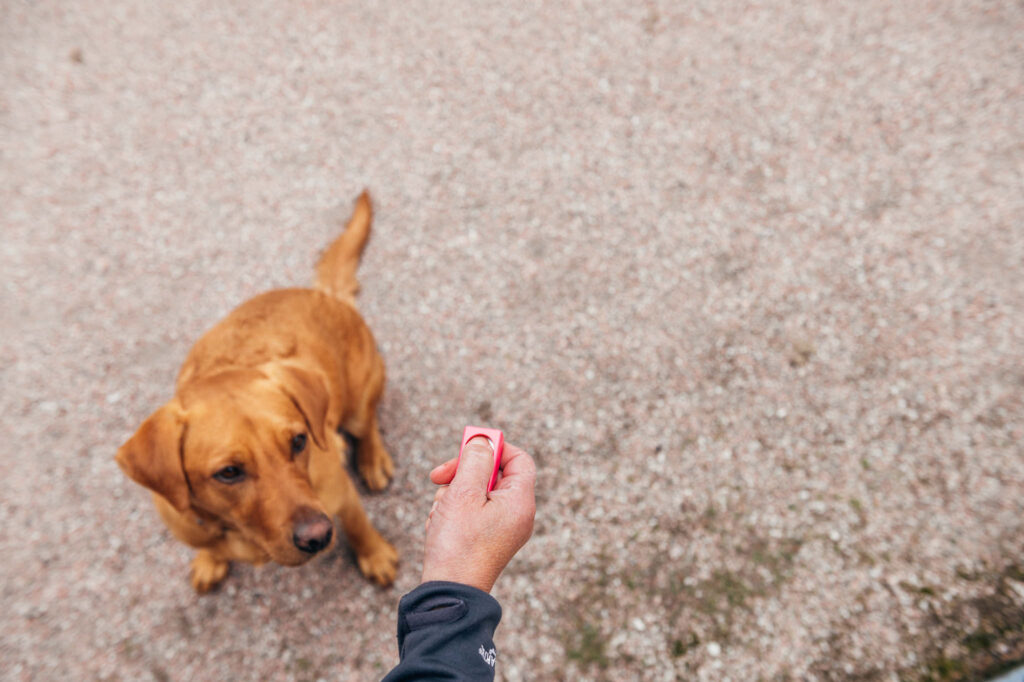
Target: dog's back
[{"x": 273, "y": 325}]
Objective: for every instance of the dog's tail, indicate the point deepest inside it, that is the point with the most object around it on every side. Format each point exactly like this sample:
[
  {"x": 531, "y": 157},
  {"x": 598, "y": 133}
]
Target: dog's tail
[{"x": 336, "y": 271}]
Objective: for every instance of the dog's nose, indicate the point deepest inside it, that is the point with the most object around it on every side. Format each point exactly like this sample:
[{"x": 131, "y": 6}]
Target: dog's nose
[{"x": 312, "y": 532}]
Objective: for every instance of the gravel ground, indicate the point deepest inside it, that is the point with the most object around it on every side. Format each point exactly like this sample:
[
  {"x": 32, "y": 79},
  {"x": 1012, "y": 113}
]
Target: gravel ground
[{"x": 747, "y": 278}]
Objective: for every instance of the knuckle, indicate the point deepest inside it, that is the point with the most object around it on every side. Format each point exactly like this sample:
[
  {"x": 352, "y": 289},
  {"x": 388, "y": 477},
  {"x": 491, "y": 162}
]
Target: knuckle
[{"x": 524, "y": 521}]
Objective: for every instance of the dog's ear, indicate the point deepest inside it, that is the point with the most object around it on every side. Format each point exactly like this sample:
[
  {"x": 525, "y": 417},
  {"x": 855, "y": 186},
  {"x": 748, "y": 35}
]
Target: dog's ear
[
  {"x": 152, "y": 457},
  {"x": 308, "y": 390}
]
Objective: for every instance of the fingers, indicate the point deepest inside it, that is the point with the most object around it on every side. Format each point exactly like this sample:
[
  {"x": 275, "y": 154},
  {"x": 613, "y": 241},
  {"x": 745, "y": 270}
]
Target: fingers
[
  {"x": 515, "y": 491},
  {"x": 475, "y": 469},
  {"x": 443, "y": 473},
  {"x": 516, "y": 465},
  {"x": 438, "y": 495},
  {"x": 433, "y": 508},
  {"x": 517, "y": 469}
]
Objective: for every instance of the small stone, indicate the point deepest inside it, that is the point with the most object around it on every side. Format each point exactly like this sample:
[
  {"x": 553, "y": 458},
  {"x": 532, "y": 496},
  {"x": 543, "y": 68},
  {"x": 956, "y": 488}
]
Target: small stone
[
  {"x": 714, "y": 649},
  {"x": 639, "y": 625}
]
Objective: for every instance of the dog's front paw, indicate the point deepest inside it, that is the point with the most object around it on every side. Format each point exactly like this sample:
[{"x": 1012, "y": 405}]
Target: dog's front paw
[
  {"x": 207, "y": 571},
  {"x": 380, "y": 565},
  {"x": 377, "y": 470}
]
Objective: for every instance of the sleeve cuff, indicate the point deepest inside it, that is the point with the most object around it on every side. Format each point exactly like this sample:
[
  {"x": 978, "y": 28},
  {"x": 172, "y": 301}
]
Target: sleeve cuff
[{"x": 440, "y": 602}]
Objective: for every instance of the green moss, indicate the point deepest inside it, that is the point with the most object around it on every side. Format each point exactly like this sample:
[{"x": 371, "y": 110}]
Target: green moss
[
  {"x": 865, "y": 557},
  {"x": 778, "y": 558},
  {"x": 681, "y": 647},
  {"x": 965, "y": 574},
  {"x": 945, "y": 669},
  {"x": 980, "y": 640},
  {"x": 923, "y": 590},
  {"x": 759, "y": 566},
  {"x": 1015, "y": 573},
  {"x": 723, "y": 586},
  {"x": 993, "y": 646},
  {"x": 588, "y": 647}
]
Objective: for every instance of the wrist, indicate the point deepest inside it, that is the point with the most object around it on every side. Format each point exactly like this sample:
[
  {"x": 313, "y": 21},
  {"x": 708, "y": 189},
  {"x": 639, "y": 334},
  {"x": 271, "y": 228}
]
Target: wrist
[{"x": 457, "y": 574}]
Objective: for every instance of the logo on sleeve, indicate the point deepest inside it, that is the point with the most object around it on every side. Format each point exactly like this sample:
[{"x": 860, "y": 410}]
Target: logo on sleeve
[{"x": 489, "y": 656}]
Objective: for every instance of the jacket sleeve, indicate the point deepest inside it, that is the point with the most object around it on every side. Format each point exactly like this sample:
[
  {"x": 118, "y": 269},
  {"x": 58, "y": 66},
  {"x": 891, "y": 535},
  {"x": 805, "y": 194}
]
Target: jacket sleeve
[{"x": 445, "y": 632}]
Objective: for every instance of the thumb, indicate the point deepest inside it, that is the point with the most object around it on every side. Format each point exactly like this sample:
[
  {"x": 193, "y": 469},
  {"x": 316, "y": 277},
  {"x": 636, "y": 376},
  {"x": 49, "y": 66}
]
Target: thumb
[{"x": 475, "y": 468}]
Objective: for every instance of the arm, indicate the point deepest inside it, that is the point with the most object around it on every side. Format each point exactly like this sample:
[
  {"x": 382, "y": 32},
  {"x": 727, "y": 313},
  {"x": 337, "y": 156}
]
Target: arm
[
  {"x": 446, "y": 625},
  {"x": 445, "y": 632}
]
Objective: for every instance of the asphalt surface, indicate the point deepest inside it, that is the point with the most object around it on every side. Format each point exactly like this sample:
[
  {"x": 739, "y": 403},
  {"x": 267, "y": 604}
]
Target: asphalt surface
[{"x": 746, "y": 278}]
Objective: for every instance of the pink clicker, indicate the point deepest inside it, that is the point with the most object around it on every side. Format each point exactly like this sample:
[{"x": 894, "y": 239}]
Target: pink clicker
[{"x": 497, "y": 440}]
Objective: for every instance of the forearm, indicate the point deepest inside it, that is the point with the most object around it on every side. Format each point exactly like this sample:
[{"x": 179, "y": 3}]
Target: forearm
[{"x": 445, "y": 632}]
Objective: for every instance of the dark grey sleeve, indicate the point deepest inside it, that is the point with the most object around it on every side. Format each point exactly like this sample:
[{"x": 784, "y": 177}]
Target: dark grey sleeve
[{"x": 445, "y": 632}]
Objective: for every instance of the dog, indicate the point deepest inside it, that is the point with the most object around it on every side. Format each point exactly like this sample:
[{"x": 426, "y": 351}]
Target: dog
[{"x": 247, "y": 462}]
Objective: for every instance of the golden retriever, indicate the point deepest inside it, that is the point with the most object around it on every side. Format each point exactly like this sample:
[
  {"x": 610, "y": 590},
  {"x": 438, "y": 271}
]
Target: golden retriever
[{"x": 246, "y": 462}]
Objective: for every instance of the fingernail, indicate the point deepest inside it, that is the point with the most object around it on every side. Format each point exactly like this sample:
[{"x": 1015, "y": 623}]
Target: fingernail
[{"x": 482, "y": 446}]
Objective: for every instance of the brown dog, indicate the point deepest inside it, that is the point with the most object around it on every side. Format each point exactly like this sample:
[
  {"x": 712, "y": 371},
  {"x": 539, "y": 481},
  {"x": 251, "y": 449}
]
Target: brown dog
[{"x": 246, "y": 462}]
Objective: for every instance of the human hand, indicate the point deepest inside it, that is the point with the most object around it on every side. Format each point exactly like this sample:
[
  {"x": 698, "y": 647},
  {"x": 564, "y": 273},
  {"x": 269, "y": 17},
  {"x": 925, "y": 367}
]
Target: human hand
[{"x": 473, "y": 534}]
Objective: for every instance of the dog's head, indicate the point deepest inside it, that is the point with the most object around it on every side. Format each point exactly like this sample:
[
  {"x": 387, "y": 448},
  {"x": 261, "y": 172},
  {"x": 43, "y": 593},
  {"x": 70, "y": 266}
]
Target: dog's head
[{"x": 237, "y": 447}]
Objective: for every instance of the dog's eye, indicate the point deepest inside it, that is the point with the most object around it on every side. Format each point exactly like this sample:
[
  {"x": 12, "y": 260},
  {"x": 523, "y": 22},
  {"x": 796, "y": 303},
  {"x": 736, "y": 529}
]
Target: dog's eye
[
  {"x": 298, "y": 443},
  {"x": 231, "y": 474}
]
